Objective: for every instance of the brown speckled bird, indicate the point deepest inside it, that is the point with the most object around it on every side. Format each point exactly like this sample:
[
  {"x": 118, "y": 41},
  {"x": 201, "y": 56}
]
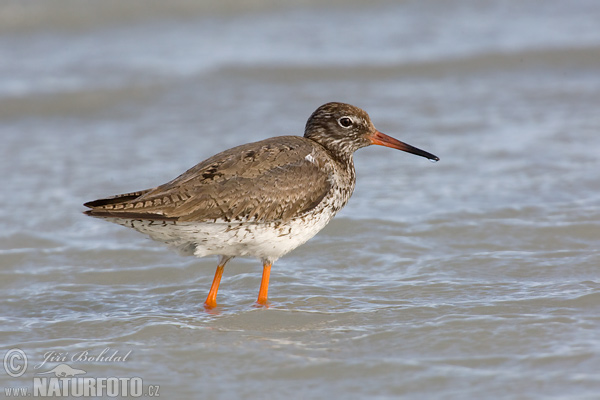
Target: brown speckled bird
[{"x": 259, "y": 199}]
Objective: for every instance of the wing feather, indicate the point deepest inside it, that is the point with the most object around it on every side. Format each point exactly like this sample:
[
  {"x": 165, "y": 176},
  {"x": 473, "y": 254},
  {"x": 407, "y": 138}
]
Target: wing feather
[{"x": 271, "y": 180}]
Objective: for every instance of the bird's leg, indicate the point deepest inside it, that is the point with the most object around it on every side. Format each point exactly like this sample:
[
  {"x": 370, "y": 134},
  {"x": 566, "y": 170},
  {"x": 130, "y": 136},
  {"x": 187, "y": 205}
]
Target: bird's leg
[
  {"x": 211, "y": 300},
  {"x": 264, "y": 284}
]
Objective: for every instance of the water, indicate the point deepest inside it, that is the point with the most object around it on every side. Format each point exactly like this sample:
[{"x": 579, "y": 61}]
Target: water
[{"x": 474, "y": 277}]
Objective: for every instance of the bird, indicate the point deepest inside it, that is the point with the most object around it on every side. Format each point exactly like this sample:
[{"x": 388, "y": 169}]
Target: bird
[{"x": 260, "y": 199}]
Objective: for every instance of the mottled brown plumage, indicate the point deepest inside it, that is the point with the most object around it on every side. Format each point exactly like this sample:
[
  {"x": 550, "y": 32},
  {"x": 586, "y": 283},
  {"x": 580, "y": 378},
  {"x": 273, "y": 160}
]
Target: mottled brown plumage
[
  {"x": 261, "y": 199},
  {"x": 240, "y": 184}
]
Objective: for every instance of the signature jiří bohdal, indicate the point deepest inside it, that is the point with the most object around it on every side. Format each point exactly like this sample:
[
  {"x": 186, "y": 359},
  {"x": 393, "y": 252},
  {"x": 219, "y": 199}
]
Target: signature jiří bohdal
[{"x": 106, "y": 355}]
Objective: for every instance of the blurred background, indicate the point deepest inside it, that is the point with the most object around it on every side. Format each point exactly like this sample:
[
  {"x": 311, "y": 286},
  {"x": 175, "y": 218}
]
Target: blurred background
[{"x": 475, "y": 277}]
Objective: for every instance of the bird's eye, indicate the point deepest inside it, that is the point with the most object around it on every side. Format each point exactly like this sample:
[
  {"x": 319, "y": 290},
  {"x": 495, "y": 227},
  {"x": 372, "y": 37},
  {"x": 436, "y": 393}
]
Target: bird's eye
[{"x": 345, "y": 122}]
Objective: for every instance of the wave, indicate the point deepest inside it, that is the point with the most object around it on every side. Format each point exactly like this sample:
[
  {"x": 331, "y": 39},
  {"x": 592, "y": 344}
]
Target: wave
[
  {"x": 558, "y": 59},
  {"x": 75, "y": 15}
]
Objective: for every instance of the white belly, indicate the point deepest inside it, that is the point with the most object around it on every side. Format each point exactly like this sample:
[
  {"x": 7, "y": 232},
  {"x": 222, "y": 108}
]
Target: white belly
[{"x": 264, "y": 241}]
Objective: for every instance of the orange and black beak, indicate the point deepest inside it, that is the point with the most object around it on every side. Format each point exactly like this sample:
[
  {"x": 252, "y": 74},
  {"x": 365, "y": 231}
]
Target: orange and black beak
[{"x": 382, "y": 139}]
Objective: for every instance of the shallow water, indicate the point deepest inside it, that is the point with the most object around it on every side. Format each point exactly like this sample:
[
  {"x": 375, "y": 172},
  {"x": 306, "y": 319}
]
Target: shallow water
[{"x": 475, "y": 277}]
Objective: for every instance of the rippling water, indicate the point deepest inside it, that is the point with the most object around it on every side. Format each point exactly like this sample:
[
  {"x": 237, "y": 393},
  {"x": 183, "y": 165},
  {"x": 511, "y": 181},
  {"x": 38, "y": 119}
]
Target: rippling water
[{"x": 476, "y": 277}]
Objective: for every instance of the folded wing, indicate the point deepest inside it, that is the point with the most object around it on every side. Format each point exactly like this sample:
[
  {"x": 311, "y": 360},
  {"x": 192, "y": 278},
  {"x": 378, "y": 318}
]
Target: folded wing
[{"x": 272, "y": 180}]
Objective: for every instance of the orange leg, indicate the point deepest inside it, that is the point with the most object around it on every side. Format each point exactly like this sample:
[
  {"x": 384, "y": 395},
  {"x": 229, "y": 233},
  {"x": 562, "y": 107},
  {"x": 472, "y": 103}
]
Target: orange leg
[
  {"x": 264, "y": 285},
  {"x": 211, "y": 300}
]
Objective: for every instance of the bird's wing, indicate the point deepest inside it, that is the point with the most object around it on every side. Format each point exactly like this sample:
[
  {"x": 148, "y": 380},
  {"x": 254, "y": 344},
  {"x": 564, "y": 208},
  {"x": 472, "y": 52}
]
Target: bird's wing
[{"x": 272, "y": 180}]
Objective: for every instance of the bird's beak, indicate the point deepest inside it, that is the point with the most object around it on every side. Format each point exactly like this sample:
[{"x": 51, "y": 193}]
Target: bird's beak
[{"x": 382, "y": 139}]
